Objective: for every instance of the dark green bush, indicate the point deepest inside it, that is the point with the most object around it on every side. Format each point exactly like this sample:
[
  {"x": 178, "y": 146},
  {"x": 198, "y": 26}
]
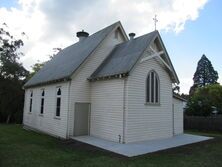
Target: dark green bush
[{"x": 203, "y": 99}]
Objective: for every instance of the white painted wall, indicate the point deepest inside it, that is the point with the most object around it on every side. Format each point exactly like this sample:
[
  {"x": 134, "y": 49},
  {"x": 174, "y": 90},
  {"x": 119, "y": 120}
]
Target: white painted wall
[
  {"x": 107, "y": 109},
  {"x": 146, "y": 122},
  {"x": 178, "y": 116},
  {"x": 47, "y": 122},
  {"x": 80, "y": 89},
  {"x": 143, "y": 122}
]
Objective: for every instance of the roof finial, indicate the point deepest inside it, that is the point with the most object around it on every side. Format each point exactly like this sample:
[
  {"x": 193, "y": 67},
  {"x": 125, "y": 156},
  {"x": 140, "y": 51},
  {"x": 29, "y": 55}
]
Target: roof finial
[{"x": 155, "y": 20}]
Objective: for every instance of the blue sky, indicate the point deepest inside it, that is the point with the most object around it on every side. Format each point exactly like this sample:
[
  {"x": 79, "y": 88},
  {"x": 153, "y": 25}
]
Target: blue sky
[
  {"x": 8, "y": 3},
  {"x": 189, "y": 28},
  {"x": 202, "y": 36}
]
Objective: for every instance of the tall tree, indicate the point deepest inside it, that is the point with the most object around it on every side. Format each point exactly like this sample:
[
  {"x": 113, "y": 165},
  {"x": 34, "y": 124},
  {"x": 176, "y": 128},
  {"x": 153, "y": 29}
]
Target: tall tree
[
  {"x": 204, "y": 75},
  {"x": 12, "y": 77}
]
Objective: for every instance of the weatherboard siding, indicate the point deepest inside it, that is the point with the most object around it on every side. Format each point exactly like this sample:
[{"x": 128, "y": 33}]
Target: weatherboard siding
[
  {"x": 47, "y": 122},
  {"x": 178, "y": 116},
  {"x": 80, "y": 90},
  {"x": 107, "y": 109},
  {"x": 146, "y": 122}
]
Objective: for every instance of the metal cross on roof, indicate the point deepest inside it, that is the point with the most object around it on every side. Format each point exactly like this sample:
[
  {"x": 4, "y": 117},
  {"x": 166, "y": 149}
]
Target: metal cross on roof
[{"x": 155, "y": 20}]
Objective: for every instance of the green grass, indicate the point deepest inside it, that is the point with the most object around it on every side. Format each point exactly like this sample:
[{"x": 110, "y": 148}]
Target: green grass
[{"x": 23, "y": 148}]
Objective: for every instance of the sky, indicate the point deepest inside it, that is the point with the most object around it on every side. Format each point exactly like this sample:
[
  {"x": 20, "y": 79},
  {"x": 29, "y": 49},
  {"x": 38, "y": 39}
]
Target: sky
[{"x": 189, "y": 28}]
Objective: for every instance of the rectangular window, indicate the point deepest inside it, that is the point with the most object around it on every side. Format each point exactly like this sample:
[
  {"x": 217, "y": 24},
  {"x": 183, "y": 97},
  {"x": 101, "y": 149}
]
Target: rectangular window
[
  {"x": 58, "y": 105},
  {"x": 58, "y": 102},
  {"x": 42, "y": 106},
  {"x": 42, "y": 101},
  {"x": 30, "y": 105},
  {"x": 30, "y": 102}
]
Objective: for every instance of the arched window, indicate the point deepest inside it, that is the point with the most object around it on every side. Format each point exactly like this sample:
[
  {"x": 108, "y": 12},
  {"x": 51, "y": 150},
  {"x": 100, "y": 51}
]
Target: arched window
[
  {"x": 152, "y": 88},
  {"x": 58, "y": 102},
  {"x": 42, "y": 102},
  {"x": 30, "y": 102}
]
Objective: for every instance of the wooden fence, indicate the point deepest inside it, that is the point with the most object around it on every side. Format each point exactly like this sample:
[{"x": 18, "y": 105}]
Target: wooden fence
[{"x": 212, "y": 123}]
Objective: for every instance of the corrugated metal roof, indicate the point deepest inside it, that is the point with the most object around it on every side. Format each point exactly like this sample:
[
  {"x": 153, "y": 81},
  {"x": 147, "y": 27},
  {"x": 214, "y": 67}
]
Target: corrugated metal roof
[
  {"x": 66, "y": 62},
  {"x": 122, "y": 59}
]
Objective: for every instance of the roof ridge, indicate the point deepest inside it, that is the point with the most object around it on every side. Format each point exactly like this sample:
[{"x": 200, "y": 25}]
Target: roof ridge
[
  {"x": 112, "y": 25},
  {"x": 139, "y": 37},
  {"x": 155, "y": 31},
  {"x": 122, "y": 47},
  {"x": 105, "y": 28},
  {"x": 73, "y": 56},
  {"x": 91, "y": 35}
]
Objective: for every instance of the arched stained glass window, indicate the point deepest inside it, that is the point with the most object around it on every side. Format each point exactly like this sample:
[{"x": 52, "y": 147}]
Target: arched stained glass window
[{"x": 152, "y": 88}]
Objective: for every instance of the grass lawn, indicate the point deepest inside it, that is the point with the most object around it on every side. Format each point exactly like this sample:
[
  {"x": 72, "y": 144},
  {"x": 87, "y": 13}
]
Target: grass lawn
[{"x": 21, "y": 148}]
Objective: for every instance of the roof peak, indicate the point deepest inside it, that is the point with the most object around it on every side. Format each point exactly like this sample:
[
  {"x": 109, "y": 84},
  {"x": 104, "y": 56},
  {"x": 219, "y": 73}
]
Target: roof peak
[
  {"x": 73, "y": 56},
  {"x": 112, "y": 25}
]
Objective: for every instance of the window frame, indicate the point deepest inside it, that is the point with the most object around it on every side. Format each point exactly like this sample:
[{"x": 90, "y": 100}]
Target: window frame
[
  {"x": 42, "y": 105},
  {"x": 155, "y": 100},
  {"x": 30, "y": 101},
  {"x": 60, "y": 97}
]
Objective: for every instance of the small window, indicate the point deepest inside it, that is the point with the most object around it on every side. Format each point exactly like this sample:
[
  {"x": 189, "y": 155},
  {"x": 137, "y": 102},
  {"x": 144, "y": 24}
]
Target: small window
[
  {"x": 30, "y": 102},
  {"x": 42, "y": 102},
  {"x": 58, "y": 102},
  {"x": 152, "y": 88}
]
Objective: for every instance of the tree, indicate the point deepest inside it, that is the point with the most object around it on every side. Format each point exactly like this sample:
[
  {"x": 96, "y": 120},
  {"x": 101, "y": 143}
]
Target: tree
[
  {"x": 37, "y": 66},
  {"x": 203, "y": 99},
  {"x": 204, "y": 75},
  {"x": 12, "y": 77}
]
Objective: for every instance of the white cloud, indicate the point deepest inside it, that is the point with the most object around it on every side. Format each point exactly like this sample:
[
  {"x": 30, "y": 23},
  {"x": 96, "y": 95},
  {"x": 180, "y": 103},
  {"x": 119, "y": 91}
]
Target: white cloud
[{"x": 53, "y": 23}]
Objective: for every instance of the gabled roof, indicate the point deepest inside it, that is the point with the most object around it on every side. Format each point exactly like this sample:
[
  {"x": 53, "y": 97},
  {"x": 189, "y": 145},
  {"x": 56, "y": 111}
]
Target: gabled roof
[
  {"x": 173, "y": 73},
  {"x": 67, "y": 61},
  {"x": 125, "y": 55},
  {"x": 122, "y": 59}
]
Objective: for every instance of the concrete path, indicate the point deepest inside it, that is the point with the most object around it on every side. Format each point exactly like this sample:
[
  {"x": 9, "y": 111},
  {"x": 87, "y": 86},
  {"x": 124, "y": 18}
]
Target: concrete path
[{"x": 139, "y": 148}]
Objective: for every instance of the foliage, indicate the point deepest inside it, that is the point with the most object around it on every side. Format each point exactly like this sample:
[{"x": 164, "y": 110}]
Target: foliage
[
  {"x": 12, "y": 77},
  {"x": 204, "y": 75},
  {"x": 203, "y": 99},
  {"x": 37, "y": 66}
]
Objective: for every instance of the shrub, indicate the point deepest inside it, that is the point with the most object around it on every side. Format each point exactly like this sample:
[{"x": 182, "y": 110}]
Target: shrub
[{"x": 203, "y": 99}]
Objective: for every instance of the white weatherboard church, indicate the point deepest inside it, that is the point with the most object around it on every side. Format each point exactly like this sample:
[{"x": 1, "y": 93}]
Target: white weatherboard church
[{"x": 107, "y": 86}]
